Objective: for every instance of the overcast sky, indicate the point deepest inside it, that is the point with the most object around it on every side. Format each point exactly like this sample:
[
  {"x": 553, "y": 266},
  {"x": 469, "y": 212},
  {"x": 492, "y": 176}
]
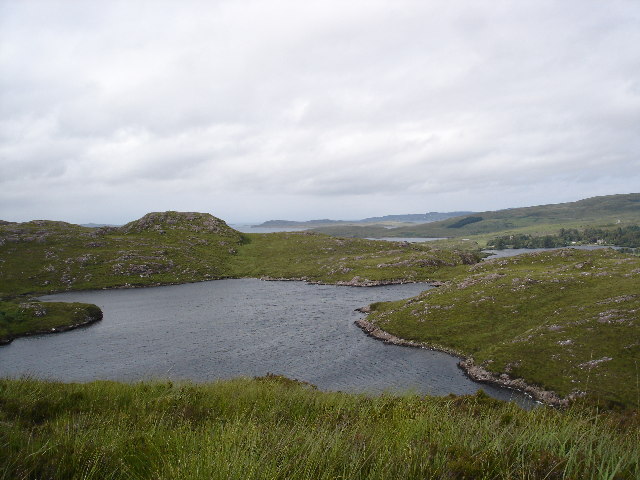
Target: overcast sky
[{"x": 254, "y": 110}]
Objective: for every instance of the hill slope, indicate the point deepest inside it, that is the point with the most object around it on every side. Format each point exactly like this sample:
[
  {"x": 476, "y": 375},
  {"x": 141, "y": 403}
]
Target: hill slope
[
  {"x": 566, "y": 320},
  {"x": 170, "y": 247},
  {"x": 176, "y": 247},
  {"x": 386, "y": 219},
  {"x": 273, "y": 428},
  {"x": 597, "y": 211}
]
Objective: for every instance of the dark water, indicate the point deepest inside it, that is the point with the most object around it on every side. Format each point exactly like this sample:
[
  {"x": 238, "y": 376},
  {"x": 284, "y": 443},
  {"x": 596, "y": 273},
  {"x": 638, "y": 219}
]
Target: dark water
[
  {"x": 245, "y": 327},
  {"x": 408, "y": 239},
  {"x": 512, "y": 252}
]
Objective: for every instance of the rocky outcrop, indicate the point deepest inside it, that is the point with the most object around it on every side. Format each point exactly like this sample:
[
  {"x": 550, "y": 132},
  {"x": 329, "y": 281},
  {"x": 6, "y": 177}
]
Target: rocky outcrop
[
  {"x": 479, "y": 374},
  {"x": 357, "y": 281},
  {"x": 267, "y": 278},
  {"x": 376, "y": 332},
  {"x": 160, "y": 222}
]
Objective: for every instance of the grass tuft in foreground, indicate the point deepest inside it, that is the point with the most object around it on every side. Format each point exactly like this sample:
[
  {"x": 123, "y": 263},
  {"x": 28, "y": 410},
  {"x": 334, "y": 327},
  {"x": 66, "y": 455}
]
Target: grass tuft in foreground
[{"x": 273, "y": 428}]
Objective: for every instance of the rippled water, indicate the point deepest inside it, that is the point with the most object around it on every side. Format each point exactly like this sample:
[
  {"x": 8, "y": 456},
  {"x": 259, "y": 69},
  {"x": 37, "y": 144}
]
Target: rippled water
[
  {"x": 408, "y": 239},
  {"x": 512, "y": 252},
  {"x": 242, "y": 327}
]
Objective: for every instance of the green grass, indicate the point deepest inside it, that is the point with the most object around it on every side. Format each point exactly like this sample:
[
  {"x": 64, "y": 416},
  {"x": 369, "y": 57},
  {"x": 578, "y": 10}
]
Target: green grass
[
  {"x": 567, "y": 320},
  {"x": 171, "y": 247},
  {"x": 321, "y": 258},
  {"x": 161, "y": 248},
  {"x": 273, "y": 428},
  {"x": 29, "y": 317}
]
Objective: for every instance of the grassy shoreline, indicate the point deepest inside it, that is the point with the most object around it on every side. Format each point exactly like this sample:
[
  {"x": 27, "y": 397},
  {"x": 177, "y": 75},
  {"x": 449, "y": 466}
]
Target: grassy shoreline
[
  {"x": 562, "y": 321},
  {"x": 169, "y": 248},
  {"x": 473, "y": 371},
  {"x": 25, "y": 318}
]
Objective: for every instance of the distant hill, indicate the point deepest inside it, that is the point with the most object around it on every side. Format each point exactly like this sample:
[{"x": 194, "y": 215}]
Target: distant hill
[
  {"x": 601, "y": 211},
  {"x": 415, "y": 217},
  {"x": 386, "y": 219}
]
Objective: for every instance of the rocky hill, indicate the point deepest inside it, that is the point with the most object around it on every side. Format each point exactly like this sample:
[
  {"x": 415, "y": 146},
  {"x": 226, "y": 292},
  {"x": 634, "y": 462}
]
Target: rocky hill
[
  {"x": 178, "y": 247},
  {"x": 168, "y": 247}
]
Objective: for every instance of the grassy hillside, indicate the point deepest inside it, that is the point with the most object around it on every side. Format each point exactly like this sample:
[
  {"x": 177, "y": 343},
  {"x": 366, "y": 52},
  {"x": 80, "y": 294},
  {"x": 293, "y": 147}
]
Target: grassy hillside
[
  {"x": 174, "y": 247},
  {"x": 44, "y": 256},
  {"x": 277, "y": 429},
  {"x": 611, "y": 210},
  {"x": 567, "y": 321},
  {"x": 320, "y": 258}
]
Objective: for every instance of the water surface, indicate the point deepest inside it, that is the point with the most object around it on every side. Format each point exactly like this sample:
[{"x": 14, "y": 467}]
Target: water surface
[
  {"x": 408, "y": 239},
  {"x": 242, "y": 327},
  {"x": 512, "y": 252}
]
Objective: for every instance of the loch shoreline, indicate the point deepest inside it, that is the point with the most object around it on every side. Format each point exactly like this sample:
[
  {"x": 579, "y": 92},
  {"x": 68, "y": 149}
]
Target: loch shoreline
[{"x": 466, "y": 364}]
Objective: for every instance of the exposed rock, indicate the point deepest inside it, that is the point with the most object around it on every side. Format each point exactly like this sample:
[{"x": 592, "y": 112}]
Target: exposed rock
[
  {"x": 267, "y": 278},
  {"x": 479, "y": 374},
  {"x": 160, "y": 222},
  {"x": 376, "y": 332},
  {"x": 594, "y": 363},
  {"x": 357, "y": 281},
  {"x": 39, "y": 310}
]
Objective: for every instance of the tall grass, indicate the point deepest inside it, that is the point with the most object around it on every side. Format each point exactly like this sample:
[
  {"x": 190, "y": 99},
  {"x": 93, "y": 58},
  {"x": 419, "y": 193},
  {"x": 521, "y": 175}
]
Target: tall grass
[{"x": 276, "y": 429}]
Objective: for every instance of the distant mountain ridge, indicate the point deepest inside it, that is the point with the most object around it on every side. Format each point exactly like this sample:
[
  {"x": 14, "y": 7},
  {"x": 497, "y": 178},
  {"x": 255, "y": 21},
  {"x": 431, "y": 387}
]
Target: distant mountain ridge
[
  {"x": 608, "y": 210},
  {"x": 404, "y": 218}
]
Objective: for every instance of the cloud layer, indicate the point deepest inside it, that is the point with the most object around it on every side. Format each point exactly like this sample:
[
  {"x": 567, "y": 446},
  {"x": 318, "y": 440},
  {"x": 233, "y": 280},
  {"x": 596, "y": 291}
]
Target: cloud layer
[{"x": 259, "y": 109}]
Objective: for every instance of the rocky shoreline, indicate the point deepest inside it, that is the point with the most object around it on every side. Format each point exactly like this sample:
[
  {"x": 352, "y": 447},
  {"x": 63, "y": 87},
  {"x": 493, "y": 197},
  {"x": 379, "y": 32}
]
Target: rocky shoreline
[
  {"x": 354, "y": 282},
  {"x": 473, "y": 371}
]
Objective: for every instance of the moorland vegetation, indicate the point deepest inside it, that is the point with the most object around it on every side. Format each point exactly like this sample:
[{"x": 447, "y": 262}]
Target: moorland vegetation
[
  {"x": 274, "y": 428},
  {"x": 562, "y": 324}
]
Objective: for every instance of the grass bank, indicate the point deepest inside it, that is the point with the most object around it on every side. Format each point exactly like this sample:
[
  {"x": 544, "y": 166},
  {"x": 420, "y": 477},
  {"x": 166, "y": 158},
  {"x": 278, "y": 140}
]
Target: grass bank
[
  {"x": 20, "y": 318},
  {"x": 567, "y": 321},
  {"x": 274, "y": 428},
  {"x": 350, "y": 261}
]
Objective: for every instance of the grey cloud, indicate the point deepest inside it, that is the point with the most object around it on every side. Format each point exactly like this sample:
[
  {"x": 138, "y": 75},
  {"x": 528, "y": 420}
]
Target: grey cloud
[{"x": 263, "y": 102}]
